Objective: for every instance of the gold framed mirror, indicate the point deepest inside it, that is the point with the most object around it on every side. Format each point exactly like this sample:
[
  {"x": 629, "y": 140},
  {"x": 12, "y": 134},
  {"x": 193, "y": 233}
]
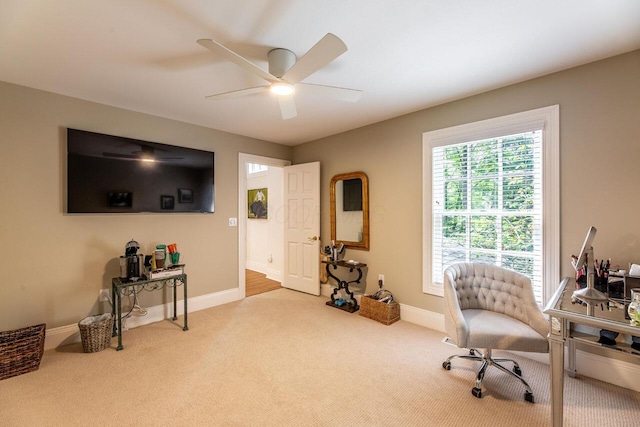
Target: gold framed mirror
[{"x": 350, "y": 210}]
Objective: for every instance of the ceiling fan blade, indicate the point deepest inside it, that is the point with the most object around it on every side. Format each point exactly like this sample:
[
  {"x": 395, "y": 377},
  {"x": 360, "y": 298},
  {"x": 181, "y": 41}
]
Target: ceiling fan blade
[
  {"x": 339, "y": 93},
  {"x": 230, "y": 55},
  {"x": 237, "y": 93},
  {"x": 287, "y": 107},
  {"x": 322, "y": 53}
]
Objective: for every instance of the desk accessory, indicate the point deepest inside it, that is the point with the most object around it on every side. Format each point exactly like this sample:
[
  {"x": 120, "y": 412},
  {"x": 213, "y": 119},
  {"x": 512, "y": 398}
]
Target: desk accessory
[{"x": 586, "y": 261}]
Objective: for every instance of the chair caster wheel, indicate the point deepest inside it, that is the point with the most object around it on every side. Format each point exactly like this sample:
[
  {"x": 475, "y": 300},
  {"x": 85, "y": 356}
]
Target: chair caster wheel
[
  {"x": 472, "y": 352},
  {"x": 528, "y": 396},
  {"x": 446, "y": 365},
  {"x": 517, "y": 371},
  {"x": 477, "y": 392}
]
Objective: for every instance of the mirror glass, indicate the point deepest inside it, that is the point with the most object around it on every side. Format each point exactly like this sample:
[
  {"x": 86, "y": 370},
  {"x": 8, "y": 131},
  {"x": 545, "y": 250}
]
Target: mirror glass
[{"x": 350, "y": 210}]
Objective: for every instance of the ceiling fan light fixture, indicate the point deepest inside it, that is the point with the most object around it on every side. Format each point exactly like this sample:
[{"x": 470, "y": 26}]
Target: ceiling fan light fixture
[{"x": 281, "y": 89}]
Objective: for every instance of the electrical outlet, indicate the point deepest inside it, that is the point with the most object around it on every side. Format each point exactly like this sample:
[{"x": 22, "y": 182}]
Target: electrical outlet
[
  {"x": 104, "y": 295},
  {"x": 233, "y": 222},
  {"x": 381, "y": 278}
]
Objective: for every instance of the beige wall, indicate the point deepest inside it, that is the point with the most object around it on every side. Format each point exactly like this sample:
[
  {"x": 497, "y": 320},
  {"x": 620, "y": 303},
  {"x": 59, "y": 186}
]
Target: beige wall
[
  {"x": 56, "y": 263},
  {"x": 599, "y": 168}
]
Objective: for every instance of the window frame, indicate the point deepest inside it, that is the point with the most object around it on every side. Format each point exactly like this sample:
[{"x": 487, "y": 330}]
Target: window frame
[{"x": 547, "y": 119}]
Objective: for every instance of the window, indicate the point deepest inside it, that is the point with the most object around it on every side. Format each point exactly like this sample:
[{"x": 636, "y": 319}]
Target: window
[
  {"x": 254, "y": 168},
  {"x": 491, "y": 195}
]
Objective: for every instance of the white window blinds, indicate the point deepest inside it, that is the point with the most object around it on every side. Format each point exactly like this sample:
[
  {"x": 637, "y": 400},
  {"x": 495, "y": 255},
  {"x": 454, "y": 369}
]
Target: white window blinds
[
  {"x": 491, "y": 194},
  {"x": 487, "y": 204}
]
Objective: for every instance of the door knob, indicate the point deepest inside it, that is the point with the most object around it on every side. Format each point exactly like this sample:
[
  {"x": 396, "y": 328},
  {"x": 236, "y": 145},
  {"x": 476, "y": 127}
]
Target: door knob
[{"x": 312, "y": 239}]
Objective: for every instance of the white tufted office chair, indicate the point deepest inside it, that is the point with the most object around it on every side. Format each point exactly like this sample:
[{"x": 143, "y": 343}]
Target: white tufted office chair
[{"x": 489, "y": 307}]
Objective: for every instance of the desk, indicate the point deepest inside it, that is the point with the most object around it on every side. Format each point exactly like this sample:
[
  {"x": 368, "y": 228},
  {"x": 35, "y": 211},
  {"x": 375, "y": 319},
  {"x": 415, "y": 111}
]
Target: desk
[
  {"x": 119, "y": 287},
  {"x": 564, "y": 315},
  {"x": 352, "y": 304}
]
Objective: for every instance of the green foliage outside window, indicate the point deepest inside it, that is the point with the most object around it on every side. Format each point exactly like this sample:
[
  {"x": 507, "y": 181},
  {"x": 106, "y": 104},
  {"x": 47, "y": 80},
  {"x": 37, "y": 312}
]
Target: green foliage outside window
[
  {"x": 499, "y": 174},
  {"x": 517, "y": 233},
  {"x": 455, "y": 162},
  {"x": 518, "y": 193},
  {"x": 484, "y": 194},
  {"x": 455, "y": 195},
  {"x": 483, "y": 232},
  {"x": 521, "y": 264},
  {"x": 484, "y": 158},
  {"x": 454, "y": 231}
]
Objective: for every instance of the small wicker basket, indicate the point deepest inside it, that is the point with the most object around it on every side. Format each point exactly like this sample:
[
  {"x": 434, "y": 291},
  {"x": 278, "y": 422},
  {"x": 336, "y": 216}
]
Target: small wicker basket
[
  {"x": 379, "y": 311},
  {"x": 21, "y": 350},
  {"x": 95, "y": 332}
]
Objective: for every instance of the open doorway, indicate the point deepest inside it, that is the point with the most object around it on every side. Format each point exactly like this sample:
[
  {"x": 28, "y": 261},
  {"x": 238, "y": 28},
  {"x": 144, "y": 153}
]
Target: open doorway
[
  {"x": 260, "y": 223},
  {"x": 258, "y": 283}
]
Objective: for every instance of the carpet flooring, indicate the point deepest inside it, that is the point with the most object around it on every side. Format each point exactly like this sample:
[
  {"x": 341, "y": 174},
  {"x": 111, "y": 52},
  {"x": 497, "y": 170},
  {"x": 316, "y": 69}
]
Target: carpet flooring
[{"x": 284, "y": 358}]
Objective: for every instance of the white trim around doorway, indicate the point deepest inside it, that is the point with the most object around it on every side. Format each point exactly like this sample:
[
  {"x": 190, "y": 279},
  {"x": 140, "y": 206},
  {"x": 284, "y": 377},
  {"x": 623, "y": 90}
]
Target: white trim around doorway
[{"x": 243, "y": 159}]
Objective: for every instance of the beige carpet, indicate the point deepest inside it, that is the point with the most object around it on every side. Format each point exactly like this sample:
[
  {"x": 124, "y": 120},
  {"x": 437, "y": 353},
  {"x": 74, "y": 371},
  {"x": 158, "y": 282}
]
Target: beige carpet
[{"x": 283, "y": 358}]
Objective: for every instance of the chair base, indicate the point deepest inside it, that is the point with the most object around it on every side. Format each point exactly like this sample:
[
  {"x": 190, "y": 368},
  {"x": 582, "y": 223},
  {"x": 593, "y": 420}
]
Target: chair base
[{"x": 487, "y": 360}]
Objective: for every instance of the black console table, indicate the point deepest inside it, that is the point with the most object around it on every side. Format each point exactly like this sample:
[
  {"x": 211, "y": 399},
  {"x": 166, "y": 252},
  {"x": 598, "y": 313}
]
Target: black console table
[
  {"x": 120, "y": 287},
  {"x": 352, "y": 304}
]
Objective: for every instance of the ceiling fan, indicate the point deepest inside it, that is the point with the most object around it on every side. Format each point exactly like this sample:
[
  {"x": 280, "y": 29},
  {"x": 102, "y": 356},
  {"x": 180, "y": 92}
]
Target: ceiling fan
[{"x": 286, "y": 73}]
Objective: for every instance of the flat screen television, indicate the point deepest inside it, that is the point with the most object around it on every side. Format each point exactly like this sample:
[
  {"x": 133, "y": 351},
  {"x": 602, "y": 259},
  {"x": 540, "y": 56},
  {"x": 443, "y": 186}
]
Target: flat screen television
[{"x": 113, "y": 174}]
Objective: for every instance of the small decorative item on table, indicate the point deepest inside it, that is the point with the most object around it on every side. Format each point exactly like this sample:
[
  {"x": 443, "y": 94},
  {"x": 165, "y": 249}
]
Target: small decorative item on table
[{"x": 174, "y": 255}]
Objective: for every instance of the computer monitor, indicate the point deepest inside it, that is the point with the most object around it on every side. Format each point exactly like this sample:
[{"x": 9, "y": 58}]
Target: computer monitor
[
  {"x": 587, "y": 247},
  {"x": 590, "y": 295}
]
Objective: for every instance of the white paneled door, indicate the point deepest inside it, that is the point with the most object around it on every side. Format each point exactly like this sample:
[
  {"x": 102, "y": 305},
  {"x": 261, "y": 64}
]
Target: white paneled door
[{"x": 302, "y": 228}]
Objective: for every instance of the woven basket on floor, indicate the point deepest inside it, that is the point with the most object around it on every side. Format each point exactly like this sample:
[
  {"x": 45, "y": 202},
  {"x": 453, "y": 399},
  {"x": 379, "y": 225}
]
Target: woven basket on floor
[
  {"x": 95, "y": 332},
  {"x": 21, "y": 350},
  {"x": 379, "y": 311}
]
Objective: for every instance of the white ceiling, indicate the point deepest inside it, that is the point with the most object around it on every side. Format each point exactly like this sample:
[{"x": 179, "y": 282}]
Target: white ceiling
[{"x": 405, "y": 55}]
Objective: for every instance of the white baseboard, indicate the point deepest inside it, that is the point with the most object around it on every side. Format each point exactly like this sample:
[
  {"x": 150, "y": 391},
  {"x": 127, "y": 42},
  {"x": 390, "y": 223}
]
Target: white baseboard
[
  {"x": 69, "y": 334},
  {"x": 273, "y": 274},
  {"x": 613, "y": 371},
  {"x": 326, "y": 289},
  {"x": 260, "y": 267},
  {"x": 426, "y": 318}
]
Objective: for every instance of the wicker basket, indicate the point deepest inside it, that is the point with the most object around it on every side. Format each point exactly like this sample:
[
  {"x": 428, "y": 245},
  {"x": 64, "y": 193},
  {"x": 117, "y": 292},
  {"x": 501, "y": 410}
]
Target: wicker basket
[
  {"x": 95, "y": 332},
  {"x": 379, "y": 311},
  {"x": 21, "y": 350}
]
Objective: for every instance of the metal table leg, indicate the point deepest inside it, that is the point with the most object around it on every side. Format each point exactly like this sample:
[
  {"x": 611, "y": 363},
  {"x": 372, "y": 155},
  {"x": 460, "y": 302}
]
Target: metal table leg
[
  {"x": 118, "y": 303},
  {"x": 186, "y": 325},
  {"x": 175, "y": 312},
  {"x": 113, "y": 309}
]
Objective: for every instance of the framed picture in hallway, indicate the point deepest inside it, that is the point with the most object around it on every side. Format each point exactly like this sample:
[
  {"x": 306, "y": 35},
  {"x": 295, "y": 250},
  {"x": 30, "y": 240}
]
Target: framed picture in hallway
[{"x": 257, "y": 202}]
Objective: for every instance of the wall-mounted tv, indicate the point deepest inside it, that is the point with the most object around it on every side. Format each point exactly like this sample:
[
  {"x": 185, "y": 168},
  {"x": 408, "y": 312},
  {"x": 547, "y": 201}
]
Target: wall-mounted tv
[{"x": 113, "y": 174}]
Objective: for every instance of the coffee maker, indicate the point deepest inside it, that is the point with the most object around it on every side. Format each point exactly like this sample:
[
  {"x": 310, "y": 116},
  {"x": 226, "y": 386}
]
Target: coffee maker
[{"x": 134, "y": 260}]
